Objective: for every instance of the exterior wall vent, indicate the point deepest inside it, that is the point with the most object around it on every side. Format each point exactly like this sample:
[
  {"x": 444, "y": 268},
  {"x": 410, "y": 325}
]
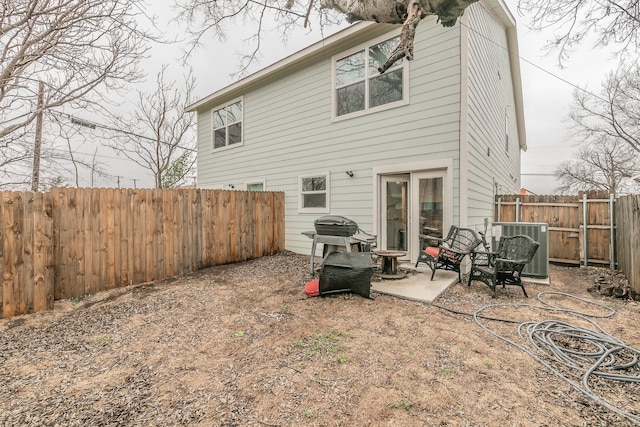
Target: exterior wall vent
[{"x": 539, "y": 266}]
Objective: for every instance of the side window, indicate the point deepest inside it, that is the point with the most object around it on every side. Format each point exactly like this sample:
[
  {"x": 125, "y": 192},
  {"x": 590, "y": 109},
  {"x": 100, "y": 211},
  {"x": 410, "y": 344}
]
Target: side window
[
  {"x": 227, "y": 125},
  {"x": 255, "y": 185},
  {"x": 358, "y": 84},
  {"x": 314, "y": 193}
]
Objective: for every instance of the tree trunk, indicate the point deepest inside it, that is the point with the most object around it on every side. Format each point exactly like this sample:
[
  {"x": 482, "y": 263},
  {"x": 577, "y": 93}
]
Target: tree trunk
[{"x": 406, "y": 12}]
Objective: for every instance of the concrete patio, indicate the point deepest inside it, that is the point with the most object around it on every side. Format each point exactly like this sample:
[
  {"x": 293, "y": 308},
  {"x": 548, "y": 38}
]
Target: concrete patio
[{"x": 417, "y": 285}]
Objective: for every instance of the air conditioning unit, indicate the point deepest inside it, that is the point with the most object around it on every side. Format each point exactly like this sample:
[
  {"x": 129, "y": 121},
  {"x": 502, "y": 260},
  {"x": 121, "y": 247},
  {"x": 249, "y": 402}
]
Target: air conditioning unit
[{"x": 539, "y": 266}]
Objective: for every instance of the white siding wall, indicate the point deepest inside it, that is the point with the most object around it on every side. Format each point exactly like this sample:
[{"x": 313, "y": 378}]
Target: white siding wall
[
  {"x": 288, "y": 132},
  {"x": 491, "y": 168}
]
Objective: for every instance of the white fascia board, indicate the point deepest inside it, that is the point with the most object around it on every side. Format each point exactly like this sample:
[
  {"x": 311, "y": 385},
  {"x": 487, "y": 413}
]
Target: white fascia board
[
  {"x": 283, "y": 65},
  {"x": 501, "y": 11}
]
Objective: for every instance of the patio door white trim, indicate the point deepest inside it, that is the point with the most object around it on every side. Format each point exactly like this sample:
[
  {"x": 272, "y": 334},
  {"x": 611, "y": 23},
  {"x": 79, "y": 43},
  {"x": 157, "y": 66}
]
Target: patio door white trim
[
  {"x": 439, "y": 167},
  {"x": 384, "y": 220},
  {"x": 414, "y": 225}
]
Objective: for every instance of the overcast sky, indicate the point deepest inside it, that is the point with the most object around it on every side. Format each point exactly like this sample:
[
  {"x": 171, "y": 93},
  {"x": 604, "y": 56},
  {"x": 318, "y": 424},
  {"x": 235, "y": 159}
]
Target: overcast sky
[
  {"x": 548, "y": 92},
  {"x": 547, "y": 95}
]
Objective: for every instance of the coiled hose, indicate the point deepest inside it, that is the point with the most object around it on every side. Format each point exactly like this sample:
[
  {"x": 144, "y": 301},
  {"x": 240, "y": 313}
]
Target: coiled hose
[{"x": 591, "y": 352}]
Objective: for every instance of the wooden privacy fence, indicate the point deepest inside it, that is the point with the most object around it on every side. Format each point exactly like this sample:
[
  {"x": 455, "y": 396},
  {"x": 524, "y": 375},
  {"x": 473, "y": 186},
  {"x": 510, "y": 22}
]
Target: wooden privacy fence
[
  {"x": 580, "y": 227},
  {"x": 628, "y": 238},
  {"x": 71, "y": 242},
  {"x": 590, "y": 228}
]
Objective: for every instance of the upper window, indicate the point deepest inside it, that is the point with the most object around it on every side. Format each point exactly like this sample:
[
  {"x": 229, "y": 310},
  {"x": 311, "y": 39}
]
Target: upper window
[
  {"x": 358, "y": 84},
  {"x": 227, "y": 125},
  {"x": 314, "y": 193}
]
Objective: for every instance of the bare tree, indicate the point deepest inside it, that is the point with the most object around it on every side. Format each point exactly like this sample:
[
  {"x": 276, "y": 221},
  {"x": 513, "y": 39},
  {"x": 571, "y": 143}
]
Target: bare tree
[
  {"x": 214, "y": 16},
  {"x": 615, "y": 112},
  {"x": 607, "y": 164},
  {"x": 60, "y": 155},
  {"x": 71, "y": 160},
  {"x": 169, "y": 150},
  {"x": 608, "y": 123},
  {"x": 74, "y": 47},
  {"x": 610, "y": 22}
]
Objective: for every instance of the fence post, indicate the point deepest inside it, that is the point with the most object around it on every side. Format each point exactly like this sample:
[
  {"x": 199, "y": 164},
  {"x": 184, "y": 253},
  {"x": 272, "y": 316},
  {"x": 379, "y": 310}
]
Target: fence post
[
  {"x": 585, "y": 230},
  {"x": 517, "y": 209},
  {"x": 499, "y": 208},
  {"x": 612, "y": 247}
]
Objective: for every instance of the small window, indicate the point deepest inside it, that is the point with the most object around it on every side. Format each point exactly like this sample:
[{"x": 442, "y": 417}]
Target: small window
[
  {"x": 255, "y": 186},
  {"x": 314, "y": 193},
  {"x": 227, "y": 125},
  {"x": 358, "y": 84}
]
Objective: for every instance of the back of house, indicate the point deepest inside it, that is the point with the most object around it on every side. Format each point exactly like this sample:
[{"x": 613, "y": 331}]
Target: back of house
[{"x": 423, "y": 146}]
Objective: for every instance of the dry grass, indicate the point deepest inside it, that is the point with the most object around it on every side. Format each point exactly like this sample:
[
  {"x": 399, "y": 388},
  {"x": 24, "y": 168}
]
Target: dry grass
[{"x": 242, "y": 345}]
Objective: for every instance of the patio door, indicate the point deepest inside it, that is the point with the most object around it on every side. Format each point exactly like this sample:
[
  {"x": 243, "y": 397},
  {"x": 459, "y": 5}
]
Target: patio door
[
  {"x": 395, "y": 211},
  {"x": 428, "y": 207},
  {"x": 411, "y": 204}
]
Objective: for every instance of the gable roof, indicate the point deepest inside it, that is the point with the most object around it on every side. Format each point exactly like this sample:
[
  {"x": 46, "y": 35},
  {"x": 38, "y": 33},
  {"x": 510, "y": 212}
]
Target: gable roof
[
  {"x": 353, "y": 35},
  {"x": 500, "y": 9},
  {"x": 360, "y": 31}
]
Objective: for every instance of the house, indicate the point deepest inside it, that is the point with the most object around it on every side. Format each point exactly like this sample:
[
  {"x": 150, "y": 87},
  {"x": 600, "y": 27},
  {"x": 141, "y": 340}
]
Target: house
[{"x": 426, "y": 145}]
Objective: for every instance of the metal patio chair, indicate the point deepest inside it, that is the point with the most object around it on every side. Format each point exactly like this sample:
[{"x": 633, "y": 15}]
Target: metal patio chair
[
  {"x": 505, "y": 265},
  {"x": 447, "y": 253}
]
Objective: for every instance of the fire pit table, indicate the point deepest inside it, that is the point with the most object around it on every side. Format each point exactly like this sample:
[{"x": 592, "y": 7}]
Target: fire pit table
[{"x": 390, "y": 263}]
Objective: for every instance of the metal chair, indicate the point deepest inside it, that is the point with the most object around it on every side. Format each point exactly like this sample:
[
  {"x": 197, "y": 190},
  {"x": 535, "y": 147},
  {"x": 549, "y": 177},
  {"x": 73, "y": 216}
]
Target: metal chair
[
  {"x": 447, "y": 253},
  {"x": 505, "y": 265}
]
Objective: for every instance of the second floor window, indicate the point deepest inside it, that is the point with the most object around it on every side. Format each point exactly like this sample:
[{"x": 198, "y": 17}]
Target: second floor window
[
  {"x": 358, "y": 84},
  {"x": 227, "y": 125}
]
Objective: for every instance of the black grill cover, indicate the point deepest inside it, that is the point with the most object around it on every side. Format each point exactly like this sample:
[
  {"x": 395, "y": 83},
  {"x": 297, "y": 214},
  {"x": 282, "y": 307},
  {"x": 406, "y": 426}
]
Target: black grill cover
[
  {"x": 335, "y": 225},
  {"x": 346, "y": 272}
]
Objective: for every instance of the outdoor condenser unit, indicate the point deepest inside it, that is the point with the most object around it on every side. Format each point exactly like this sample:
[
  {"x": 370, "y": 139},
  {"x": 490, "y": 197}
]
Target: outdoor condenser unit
[{"x": 539, "y": 266}]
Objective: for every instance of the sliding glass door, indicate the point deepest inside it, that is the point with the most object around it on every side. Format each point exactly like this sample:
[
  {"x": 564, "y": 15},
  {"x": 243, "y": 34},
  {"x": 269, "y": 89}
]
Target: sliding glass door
[
  {"x": 411, "y": 204},
  {"x": 395, "y": 211}
]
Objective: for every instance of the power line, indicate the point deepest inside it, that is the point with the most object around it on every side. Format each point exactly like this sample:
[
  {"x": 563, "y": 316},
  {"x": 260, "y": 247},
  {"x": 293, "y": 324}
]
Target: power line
[
  {"x": 14, "y": 118},
  {"x": 92, "y": 154},
  {"x": 93, "y": 125},
  {"x": 533, "y": 64}
]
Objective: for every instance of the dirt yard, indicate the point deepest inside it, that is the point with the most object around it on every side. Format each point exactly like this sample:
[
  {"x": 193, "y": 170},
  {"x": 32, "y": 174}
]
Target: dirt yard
[{"x": 242, "y": 345}]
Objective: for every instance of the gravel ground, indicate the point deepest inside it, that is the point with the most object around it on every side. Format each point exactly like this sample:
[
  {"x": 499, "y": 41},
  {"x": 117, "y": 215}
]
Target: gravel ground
[{"x": 242, "y": 345}]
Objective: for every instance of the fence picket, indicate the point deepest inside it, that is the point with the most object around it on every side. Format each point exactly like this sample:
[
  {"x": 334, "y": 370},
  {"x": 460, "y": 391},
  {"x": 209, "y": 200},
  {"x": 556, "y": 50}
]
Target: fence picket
[
  {"x": 28, "y": 239},
  {"x": 43, "y": 271},
  {"x": 8, "y": 252},
  {"x": 627, "y": 242},
  {"x": 96, "y": 241},
  {"x": 72, "y": 242}
]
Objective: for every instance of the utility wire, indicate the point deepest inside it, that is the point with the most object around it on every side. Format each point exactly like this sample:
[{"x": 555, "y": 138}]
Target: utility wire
[
  {"x": 14, "y": 118},
  {"x": 562, "y": 79},
  {"x": 92, "y": 125}
]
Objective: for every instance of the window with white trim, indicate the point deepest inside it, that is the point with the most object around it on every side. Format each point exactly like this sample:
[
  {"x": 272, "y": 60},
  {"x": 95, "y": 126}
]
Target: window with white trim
[
  {"x": 314, "y": 193},
  {"x": 227, "y": 125},
  {"x": 255, "y": 185},
  {"x": 360, "y": 87}
]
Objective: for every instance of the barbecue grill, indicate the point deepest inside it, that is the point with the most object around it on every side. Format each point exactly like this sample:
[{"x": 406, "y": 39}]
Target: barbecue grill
[
  {"x": 335, "y": 231},
  {"x": 335, "y": 225}
]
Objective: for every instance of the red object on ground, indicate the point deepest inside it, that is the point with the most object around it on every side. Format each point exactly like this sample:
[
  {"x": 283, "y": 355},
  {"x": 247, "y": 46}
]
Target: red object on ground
[{"x": 312, "y": 288}]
